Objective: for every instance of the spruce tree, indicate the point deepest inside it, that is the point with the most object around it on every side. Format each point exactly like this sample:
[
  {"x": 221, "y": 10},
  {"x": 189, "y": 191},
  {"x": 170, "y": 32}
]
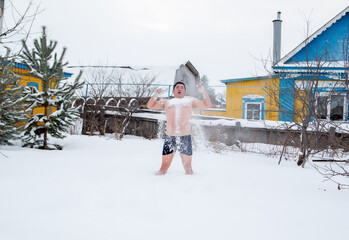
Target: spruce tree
[
  {"x": 44, "y": 63},
  {"x": 210, "y": 91},
  {"x": 12, "y": 102}
]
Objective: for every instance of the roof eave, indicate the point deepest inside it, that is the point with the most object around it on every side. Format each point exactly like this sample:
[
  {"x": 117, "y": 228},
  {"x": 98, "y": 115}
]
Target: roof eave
[
  {"x": 226, "y": 81},
  {"x": 23, "y": 66}
]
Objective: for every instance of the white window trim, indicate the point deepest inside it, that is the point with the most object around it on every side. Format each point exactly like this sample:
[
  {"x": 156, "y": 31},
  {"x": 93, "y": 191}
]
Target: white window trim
[
  {"x": 260, "y": 110},
  {"x": 345, "y": 104}
]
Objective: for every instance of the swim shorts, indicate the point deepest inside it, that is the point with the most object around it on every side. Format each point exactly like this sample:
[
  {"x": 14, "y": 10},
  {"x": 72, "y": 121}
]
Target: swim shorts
[{"x": 173, "y": 142}]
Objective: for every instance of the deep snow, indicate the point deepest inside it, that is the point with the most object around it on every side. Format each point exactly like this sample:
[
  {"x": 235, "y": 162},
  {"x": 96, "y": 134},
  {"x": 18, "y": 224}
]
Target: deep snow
[{"x": 101, "y": 188}]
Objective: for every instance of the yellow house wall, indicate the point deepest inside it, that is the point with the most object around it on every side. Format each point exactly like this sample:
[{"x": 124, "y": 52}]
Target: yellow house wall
[
  {"x": 237, "y": 90},
  {"x": 26, "y": 78},
  {"x": 271, "y": 106},
  {"x": 299, "y": 108},
  {"x": 267, "y": 88}
]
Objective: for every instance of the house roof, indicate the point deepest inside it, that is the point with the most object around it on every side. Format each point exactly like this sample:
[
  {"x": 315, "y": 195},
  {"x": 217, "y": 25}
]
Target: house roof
[
  {"x": 226, "y": 81},
  {"x": 165, "y": 75},
  {"x": 191, "y": 67},
  {"x": 23, "y": 66},
  {"x": 290, "y": 57}
]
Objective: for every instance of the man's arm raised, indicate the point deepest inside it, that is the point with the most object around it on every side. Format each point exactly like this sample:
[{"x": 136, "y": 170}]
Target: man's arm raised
[
  {"x": 153, "y": 104},
  {"x": 202, "y": 104}
]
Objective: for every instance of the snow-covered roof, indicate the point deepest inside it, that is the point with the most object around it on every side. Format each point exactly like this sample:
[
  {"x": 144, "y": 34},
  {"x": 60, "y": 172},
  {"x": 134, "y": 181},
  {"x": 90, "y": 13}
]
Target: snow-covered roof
[
  {"x": 253, "y": 96},
  {"x": 226, "y": 81},
  {"x": 164, "y": 74}
]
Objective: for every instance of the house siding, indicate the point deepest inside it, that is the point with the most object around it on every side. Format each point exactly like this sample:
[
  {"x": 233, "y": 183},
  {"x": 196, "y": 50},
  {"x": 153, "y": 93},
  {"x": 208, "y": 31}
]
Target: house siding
[
  {"x": 27, "y": 79},
  {"x": 237, "y": 90}
]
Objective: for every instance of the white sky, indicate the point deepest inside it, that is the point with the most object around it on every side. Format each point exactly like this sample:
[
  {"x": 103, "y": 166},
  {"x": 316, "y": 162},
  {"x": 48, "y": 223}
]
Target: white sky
[{"x": 222, "y": 38}]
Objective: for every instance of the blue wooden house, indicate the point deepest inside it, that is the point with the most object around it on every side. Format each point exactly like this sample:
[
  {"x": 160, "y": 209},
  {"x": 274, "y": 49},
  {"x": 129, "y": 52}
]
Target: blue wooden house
[{"x": 322, "y": 58}]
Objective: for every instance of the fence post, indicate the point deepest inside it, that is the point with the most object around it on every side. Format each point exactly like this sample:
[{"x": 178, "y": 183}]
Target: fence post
[
  {"x": 265, "y": 103},
  {"x": 237, "y": 131},
  {"x": 332, "y": 135},
  {"x": 86, "y": 91}
]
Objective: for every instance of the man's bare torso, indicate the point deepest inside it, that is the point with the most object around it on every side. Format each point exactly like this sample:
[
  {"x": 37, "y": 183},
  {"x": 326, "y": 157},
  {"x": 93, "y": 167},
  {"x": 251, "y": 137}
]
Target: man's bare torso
[{"x": 178, "y": 113}]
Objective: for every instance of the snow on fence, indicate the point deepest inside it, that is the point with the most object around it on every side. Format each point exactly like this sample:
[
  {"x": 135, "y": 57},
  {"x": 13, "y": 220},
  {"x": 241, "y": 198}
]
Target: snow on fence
[
  {"x": 107, "y": 115},
  {"x": 114, "y": 115}
]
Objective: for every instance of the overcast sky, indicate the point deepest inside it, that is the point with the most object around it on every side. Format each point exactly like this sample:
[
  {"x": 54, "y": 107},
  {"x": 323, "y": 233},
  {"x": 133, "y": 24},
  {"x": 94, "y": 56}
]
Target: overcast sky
[{"x": 222, "y": 38}]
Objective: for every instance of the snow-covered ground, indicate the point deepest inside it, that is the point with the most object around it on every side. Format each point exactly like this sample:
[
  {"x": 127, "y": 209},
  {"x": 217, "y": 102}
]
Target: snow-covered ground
[{"x": 101, "y": 188}]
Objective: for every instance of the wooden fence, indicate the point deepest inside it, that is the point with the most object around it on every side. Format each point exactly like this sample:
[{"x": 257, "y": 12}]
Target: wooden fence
[{"x": 106, "y": 119}]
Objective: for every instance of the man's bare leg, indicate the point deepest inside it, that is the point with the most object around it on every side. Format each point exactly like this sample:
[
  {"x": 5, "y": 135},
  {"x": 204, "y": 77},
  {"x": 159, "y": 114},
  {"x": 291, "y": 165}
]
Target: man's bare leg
[
  {"x": 166, "y": 163},
  {"x": 186, "y": 160}
]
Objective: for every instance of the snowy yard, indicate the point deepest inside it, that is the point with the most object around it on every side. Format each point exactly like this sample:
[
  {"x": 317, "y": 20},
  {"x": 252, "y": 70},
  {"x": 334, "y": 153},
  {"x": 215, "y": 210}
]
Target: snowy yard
[{"x": 102, "y": 189}]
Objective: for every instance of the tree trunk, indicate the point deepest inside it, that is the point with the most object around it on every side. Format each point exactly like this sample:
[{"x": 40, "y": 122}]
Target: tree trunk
[
  {"x": 45, "y": 128},
  {"x": 304, "y": 145},
  {"x": 45, "y": 139}
]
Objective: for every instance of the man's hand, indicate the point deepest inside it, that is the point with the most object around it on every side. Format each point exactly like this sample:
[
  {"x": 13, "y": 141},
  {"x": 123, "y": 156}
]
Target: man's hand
[
  {"x": 153, "y": 104},
  {"x": 201, "y": 88},
  {"x": 158, "y": 91},
  {"x": 206, "y": 103}
]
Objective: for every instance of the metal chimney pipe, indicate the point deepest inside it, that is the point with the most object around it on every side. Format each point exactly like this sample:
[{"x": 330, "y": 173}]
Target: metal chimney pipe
[
  {"x": 2, "y": 6},
  {"x": 277, "y": 39}
]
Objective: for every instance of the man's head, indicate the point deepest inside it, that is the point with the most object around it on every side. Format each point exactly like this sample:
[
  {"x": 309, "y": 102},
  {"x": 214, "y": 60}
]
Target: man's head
[{"x": 179, "y": 90}]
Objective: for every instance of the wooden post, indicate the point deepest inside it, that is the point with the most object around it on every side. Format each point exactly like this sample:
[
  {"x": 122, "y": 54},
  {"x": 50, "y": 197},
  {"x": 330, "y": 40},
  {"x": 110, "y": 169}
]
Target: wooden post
[
  {"x": 237, "y": 131},
  {"x": 332, "y": 136}
]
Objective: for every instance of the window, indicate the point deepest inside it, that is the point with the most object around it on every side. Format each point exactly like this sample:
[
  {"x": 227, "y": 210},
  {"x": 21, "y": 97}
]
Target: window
[
  {"x": 331, "y": 107},
  {"x": 52, "y": 83},
  {"x": 321, "y": 107},
  {"x": 337, "y": 107},
  {"x": 253, "y": 111},
  {"x": 253, "y": 107},
  {"x": 33, "y": 86}
]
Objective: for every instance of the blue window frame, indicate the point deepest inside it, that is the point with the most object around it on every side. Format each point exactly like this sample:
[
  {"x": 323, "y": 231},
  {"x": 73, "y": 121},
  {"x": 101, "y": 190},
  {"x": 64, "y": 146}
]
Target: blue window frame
[
  {"x": 33, "y": 84},
  {"x": 52, "y": 83},
  {"x": 253, "y": 107}
]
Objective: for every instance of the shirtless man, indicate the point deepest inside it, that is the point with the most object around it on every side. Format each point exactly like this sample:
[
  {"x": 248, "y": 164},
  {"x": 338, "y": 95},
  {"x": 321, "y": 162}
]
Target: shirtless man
[{"x": 178, "y": 132}]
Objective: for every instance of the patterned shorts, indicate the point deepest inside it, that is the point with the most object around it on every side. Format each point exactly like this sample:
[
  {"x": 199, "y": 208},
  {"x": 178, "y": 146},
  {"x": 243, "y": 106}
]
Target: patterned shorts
[{"x": 173, "y": 142}]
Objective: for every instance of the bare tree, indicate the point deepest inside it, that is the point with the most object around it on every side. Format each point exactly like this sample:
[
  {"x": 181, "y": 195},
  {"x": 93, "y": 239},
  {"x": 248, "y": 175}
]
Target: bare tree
[
  {"x": 311, "y": 108},
  {"x": 125, "y": 87},
  {"x": 312, "y": 105},
  {"x": 98, "y": 88},
  {"x": 137, "y": 88},
  {"x": 16, "y": 27},
  {"x": 135, "y": 85},
  {"x": 337, "y": 170},
  {"x": 99, "y": 82},
  {"x": 126, "y": 109}
]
